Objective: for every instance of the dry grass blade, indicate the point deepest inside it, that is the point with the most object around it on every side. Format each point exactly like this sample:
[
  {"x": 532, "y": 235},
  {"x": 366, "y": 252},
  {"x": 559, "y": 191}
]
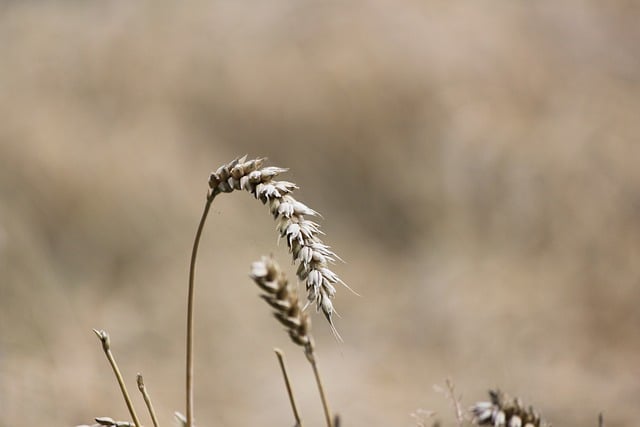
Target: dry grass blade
[
  {"x": 285, "y": 375},
  {"x": 106, "y": 347},
  {"x": 147, "y": 400},
  {"x": 456, "y": 400}
]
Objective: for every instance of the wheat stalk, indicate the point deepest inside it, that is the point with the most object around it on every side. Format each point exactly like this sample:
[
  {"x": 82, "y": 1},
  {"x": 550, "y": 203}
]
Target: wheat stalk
[
  {"x": 301, "y": 235},
  {"x": 103, "y": 336},
  {"x": 147, "y": 399},
  {"x": 287, "y": 383},
  {"x": 283, "y": 298}
]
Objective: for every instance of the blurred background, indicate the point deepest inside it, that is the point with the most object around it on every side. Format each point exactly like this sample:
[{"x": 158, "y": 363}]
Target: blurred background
[{"x": 476, "y": 165}]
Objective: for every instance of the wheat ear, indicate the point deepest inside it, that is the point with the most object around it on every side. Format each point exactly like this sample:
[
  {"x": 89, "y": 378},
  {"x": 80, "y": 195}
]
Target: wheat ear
[
  {"x": 501, "y": 411},
  {"x": 301, "y": 234},
  {"x": 283, "y": 298}
]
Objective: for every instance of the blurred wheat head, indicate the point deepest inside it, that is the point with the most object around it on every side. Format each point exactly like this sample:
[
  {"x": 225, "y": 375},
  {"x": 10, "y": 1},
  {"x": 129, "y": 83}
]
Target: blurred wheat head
[
  {"x": 283, "y": 298},
  {"x": 502, "y": 411}
]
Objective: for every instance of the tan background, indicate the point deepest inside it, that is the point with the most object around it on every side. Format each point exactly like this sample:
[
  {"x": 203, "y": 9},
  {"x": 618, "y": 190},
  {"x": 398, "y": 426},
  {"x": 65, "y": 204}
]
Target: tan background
[{"x": 476, "y": 165}]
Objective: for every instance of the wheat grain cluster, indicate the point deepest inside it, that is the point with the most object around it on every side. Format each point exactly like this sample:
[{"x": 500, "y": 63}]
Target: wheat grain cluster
[
  {"x": 283, "y": 298},
  {"x": 301, "y": 234},
  {"x": 502, "y": 411}
]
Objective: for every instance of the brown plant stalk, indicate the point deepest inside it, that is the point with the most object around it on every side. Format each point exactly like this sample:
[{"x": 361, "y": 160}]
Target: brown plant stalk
[
  {"x": 287, "y": 383},
  {"x": 147, "y": 400},
  {"x": 106, "y": 347},
  {"x": 283, "y": 298}
]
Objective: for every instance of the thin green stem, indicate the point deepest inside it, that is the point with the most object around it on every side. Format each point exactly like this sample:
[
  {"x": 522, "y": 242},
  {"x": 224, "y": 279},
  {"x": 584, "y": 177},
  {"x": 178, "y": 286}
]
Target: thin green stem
[
  {"x": 194, "y": 253},
  {"x": 106, "y": 347},
  {"x": 325, "y": 404},
  {"x": 296, "y": 415},
  {"x": 147, "y": 400}
]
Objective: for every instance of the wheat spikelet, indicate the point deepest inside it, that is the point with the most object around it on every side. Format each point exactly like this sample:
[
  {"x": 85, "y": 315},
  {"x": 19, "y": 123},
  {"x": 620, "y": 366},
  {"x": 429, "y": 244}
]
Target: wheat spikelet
[
  {"x": 301, "y": 234},
  {"x": 284, "y": 300},
  {"x": 504, "y": 412},
  {"x": 286, "y": 308}
]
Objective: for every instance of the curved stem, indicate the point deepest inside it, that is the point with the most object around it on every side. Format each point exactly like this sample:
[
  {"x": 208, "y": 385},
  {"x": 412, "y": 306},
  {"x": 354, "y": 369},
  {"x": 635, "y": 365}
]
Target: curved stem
[{"x": 192, "y": 266}]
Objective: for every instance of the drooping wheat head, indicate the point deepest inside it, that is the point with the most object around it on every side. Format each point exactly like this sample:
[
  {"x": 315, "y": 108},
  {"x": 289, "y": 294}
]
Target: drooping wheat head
[{"x": 301, "y": 234}]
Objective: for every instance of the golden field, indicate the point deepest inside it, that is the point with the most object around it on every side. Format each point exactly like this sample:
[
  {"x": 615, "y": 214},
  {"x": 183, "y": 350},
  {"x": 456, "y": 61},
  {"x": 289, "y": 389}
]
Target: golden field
[{"x": 477, "y": 165}]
